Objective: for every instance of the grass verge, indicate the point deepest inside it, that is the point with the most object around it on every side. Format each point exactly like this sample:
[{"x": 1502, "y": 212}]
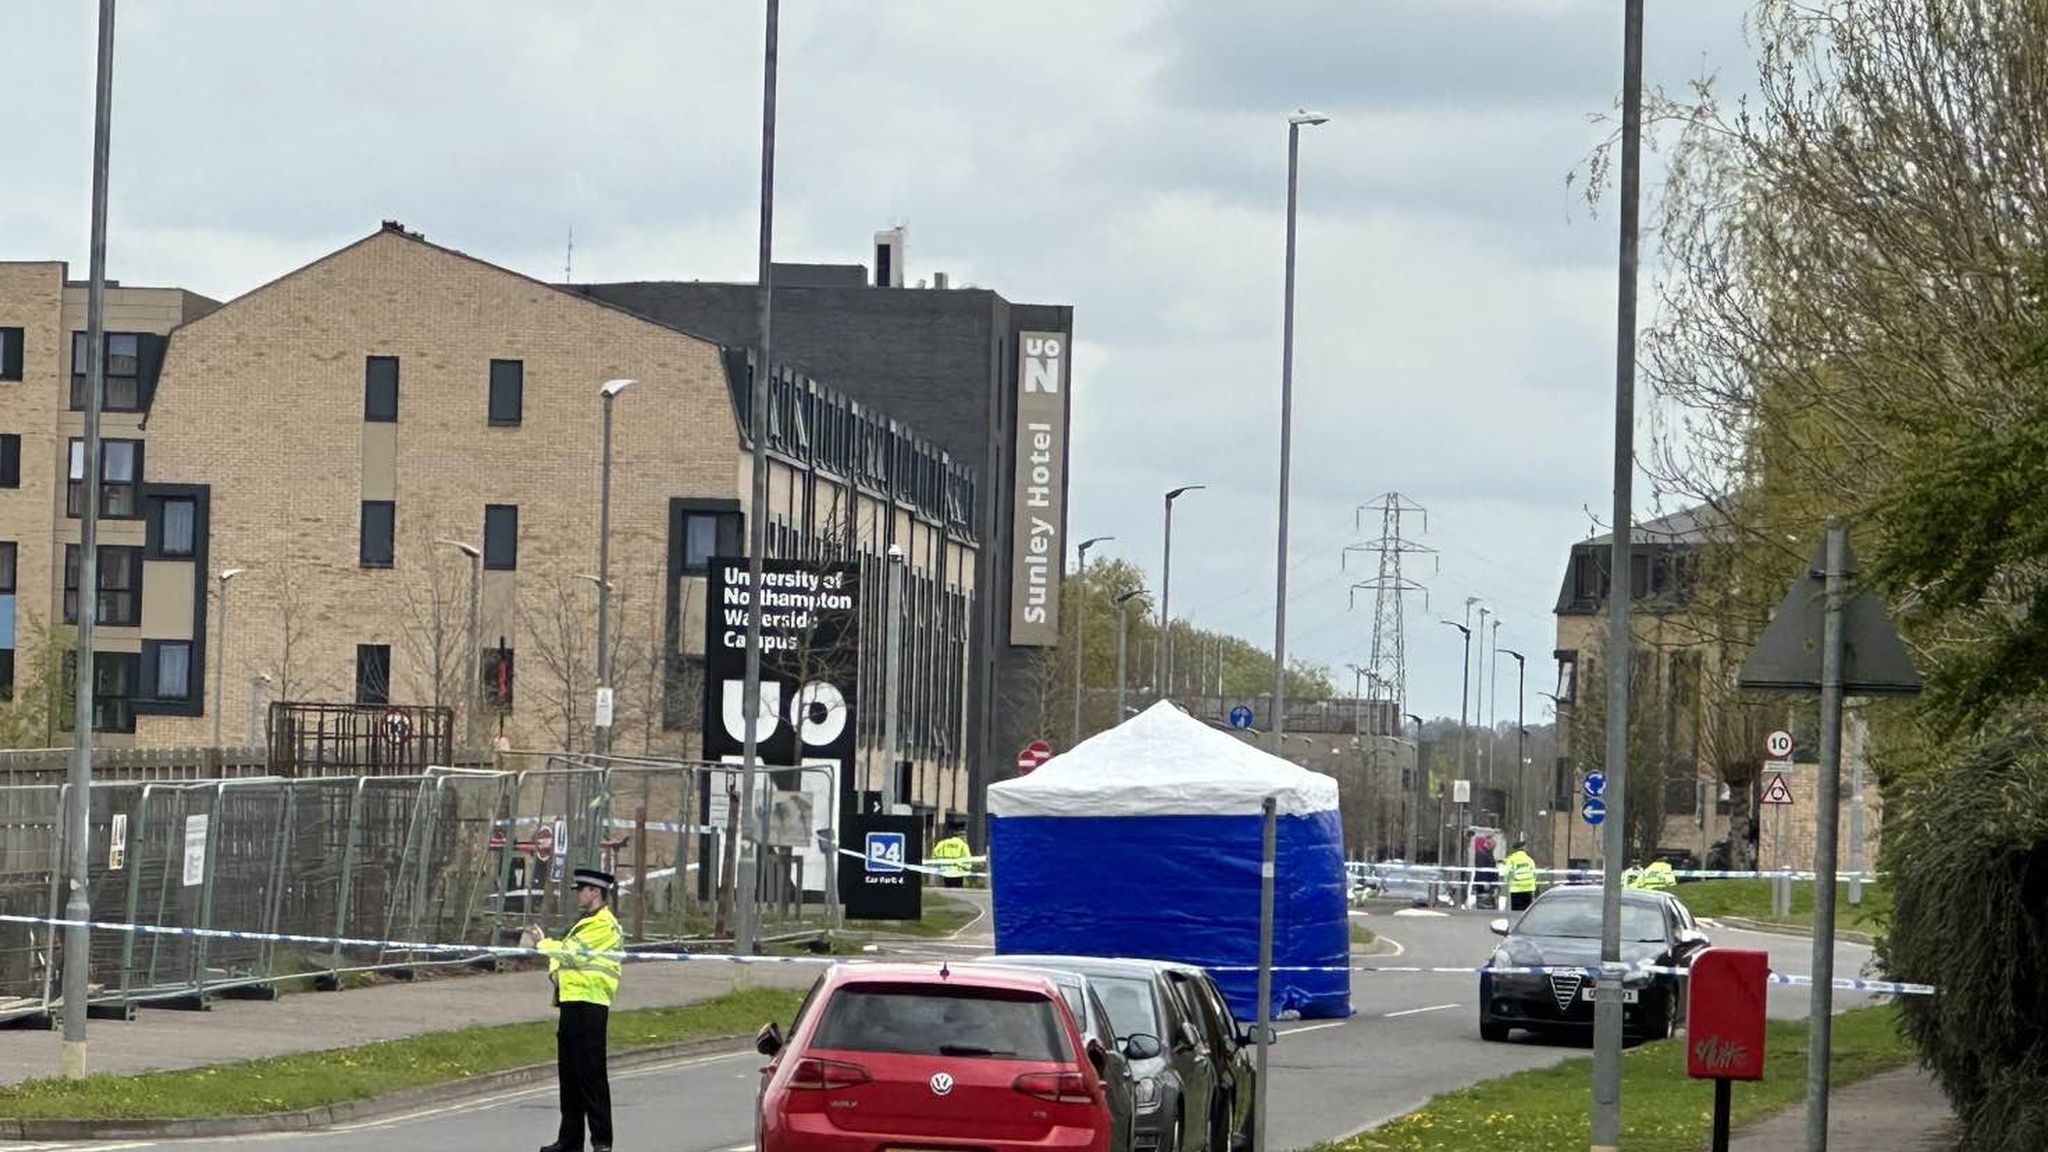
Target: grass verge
[
  {"x": 313, "y": 1079},
  {"x": 1361, "y": 936},
  {"x": 1545, "y": 1109},
  {"x": 1751, "y": 899}
]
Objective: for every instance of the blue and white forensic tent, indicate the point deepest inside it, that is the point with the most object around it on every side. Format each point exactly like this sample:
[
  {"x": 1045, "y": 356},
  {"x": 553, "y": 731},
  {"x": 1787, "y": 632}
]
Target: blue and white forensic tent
[{"x": 1145, "y": 841}]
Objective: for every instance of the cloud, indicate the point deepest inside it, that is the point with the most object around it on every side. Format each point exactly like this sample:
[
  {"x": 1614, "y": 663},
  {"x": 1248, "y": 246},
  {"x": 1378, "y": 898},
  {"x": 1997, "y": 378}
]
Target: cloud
[{"x": 1455, "y": 322}]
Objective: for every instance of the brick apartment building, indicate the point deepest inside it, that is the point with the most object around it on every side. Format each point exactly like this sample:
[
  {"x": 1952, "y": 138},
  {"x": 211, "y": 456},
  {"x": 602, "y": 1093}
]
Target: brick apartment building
[
  {"x": 363, "y": 435},
  {"x": 954, "y": 361}
]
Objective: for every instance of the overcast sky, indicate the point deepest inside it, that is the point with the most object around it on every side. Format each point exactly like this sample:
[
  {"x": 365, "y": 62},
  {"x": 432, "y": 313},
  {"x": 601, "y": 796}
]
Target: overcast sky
[{"x": 1456, "y": 301}]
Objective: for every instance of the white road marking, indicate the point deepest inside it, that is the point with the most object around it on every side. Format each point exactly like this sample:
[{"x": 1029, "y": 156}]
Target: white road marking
[
  {"x": 1417, "y": 1011},
  {"x": 480, "y": 1102},
  {"x": 1423, "y": 912},
  {"x": 1314, "y": 1027}
]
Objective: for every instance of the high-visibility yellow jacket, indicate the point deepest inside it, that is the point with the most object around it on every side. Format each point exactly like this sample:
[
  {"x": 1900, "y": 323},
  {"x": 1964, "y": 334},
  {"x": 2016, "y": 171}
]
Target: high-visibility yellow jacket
[
  {"x": 950, "y": 856},
  {"x": 1657, "y": 877},
  {"x": 1521, "y": 871},
  {"x": 582, "y": 974}
]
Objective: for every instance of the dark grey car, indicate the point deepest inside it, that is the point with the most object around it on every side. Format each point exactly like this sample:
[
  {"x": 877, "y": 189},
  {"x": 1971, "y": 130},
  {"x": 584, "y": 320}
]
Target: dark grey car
[
  {"x": 1176, "y": 1079},
  {"x": 1562, "y": 929},
  {"x": 1097, "y": 1026}
]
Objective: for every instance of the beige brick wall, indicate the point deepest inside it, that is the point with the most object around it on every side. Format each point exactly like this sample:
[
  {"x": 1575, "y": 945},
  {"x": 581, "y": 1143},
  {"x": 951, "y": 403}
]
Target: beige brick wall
[
  {"x": 32, "y": 298},
  {"x": 263, "y": 401}
]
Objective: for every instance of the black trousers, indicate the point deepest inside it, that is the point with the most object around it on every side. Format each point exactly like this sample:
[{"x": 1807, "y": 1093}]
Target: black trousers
[
  {"x": 1520, "y": 900},
  {"x": 579, "y": 1065}
]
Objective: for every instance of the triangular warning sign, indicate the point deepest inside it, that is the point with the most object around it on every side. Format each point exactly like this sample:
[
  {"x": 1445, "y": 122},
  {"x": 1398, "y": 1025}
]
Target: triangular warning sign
[{"x": 1776, "y": 791}]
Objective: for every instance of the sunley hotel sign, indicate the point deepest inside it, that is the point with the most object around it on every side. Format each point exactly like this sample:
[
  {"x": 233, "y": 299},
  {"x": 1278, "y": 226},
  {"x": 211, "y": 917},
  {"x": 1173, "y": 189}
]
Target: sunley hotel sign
[{"x": 1038, "y": 510}]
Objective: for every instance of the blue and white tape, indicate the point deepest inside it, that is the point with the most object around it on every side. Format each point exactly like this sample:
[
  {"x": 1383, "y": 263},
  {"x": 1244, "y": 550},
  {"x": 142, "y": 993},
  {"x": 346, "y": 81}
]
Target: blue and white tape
[
  {"x": 1594, "y": 875},
  {"x": 1846, "y": 984}
]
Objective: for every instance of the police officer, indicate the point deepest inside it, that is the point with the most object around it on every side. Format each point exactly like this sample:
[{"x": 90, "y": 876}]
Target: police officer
[
  {"x": 950, "y": 855},
  {"x": 586, "y": 978},
  {"x": 1521, "y": 870},
  {"x": 1659, "y": 876}
]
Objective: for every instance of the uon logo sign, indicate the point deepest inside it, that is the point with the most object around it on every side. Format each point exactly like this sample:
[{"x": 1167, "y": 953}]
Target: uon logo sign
[{"x": 1038, "y": 514}]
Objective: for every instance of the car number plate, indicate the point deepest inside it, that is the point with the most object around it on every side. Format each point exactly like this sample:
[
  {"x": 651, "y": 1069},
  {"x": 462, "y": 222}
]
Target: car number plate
[{"x": 1628, "y": 995}]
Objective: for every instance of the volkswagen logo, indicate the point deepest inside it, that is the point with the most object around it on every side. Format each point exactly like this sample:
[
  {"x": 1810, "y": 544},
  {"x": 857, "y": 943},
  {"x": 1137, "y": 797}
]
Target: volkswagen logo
[{"x": 942, "y": 1083}]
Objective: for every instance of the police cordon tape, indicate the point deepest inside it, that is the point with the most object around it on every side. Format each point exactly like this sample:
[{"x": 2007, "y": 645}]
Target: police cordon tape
[
  {"x": 1875, "y": 987},
  {"x": 930, "y": 869},
  {"x": 1462, "y": 870}
]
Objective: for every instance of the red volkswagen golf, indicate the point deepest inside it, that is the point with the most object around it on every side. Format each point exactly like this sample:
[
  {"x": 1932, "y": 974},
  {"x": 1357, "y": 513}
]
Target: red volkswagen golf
[{"x": 915, "y": 1058}]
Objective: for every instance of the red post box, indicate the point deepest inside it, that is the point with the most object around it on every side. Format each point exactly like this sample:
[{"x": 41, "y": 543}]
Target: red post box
[{"x": 1724, "y": 1017}]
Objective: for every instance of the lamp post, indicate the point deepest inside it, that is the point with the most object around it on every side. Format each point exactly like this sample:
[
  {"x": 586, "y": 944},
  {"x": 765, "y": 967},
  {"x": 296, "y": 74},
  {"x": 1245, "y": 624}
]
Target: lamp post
[
  {"x": 601, "y": 710},
  {"x": 1295, "y": 123},
  {"x": 1416, "y": 794},
  {"x": 1162, "y": 671},
  {"x": 1521, "y": 738},
  {"x": 1464, "y": 688},
  {"x": 1081, "y": 627},
  {"x": 77, "y": 817},
  {"x": 476, "y": 652},
  {"x": 1123, "y": 635},
  {"x": 220, "y": 644},
  {"x": 892, "y": 675},
  {"x": 751, "y": 824}
]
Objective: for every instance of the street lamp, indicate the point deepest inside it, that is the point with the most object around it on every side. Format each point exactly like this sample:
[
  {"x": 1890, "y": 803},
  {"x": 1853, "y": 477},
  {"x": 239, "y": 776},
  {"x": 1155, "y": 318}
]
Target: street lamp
[
  {"x": 1464, "y": 686},
  {"x": 601, "y": 712},
  {"x": 1081, "y": 625},
  {"x": 220, "y": 643},
  {"x": 1420, "y": 790},
  {"x": 1123, "y": 635},
  {"x": 1521, "y": 738},
  {"x": 1295, "y": 123},
  {"x": 476, "y": 652},
  {"x": 1162, "y": 671}
]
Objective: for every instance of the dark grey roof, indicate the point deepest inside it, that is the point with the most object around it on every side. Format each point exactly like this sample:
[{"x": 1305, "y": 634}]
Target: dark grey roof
[{"x": 1693, "y": 525}]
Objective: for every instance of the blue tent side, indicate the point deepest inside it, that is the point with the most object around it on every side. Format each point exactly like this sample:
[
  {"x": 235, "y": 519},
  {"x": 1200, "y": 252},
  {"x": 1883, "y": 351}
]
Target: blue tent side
[{"x": 1183, "y": 888}]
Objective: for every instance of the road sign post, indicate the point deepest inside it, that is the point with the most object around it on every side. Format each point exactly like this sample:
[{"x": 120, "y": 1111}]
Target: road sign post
[
  {"x": 1825, "y": 639},
  {"x": 1594, "y": 810}
]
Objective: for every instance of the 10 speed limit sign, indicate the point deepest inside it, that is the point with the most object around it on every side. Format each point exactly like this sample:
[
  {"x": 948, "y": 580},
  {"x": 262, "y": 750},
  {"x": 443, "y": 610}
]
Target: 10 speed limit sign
[{"x": 1779, "y": 745}]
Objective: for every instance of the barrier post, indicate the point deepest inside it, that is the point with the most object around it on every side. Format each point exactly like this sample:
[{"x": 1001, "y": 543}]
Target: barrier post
[{"x": 1267, "y": 808}]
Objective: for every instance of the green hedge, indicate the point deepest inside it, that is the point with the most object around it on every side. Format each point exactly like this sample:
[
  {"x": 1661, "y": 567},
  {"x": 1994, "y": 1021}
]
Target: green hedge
[{"x": 1967, "y": 849}]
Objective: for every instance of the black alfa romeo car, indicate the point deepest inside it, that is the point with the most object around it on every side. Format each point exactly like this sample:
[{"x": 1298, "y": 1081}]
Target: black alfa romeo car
[{"x": 1562, "y": 929}]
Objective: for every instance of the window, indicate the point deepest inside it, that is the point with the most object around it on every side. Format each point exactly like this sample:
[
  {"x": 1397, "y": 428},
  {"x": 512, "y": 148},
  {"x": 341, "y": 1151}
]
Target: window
[
  {"x": 10, "y": 353},
  {"x": 115, "y": 677},
  {"x": 702, "y": 533},
  {"x": 926, "y": 1020},
  {"x": 10, "y": 460},
  {"x": 6, "y": 673},
  {"x": 120, "y": 479},
  {"x": 1638, "y": 574},
  {"x": 380, "y": 389},
  {"x": 497, "y": 678},
  {"x": 7, "y": 549},
  {"x": 508, "y": 388},
  {"x": 501, "y": 537},
  {"x": 172, "y": 531},
  {"x": 120, "y": 582},
  {"x": 1567, "y": 675},
  {"x": 123, "y": 372},
  {"x": 167, "y": 670},
  {"x": 380, "y": 519},
  {"x": 373, "y": 673},
  {"x": 1588, "y": 579}
]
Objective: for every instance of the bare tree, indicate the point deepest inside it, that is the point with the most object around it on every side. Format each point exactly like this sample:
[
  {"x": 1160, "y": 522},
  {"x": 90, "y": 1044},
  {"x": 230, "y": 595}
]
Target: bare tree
[
  {"x": 434, "y": 604},
  {"x": 558, "y": 616}
]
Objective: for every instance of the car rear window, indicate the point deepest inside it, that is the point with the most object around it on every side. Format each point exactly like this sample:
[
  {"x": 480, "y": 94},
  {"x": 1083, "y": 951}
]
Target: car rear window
[{"x": 920, "y": 1020}]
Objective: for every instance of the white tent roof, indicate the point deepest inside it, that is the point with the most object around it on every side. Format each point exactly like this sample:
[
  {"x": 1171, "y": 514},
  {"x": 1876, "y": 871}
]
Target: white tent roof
[{"x": 1163, "y": 762}]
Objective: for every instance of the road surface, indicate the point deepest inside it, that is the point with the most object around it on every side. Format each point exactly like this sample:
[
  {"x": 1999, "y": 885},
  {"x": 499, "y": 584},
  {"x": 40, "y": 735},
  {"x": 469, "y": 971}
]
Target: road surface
[{"x": 1414, "y": 1035}]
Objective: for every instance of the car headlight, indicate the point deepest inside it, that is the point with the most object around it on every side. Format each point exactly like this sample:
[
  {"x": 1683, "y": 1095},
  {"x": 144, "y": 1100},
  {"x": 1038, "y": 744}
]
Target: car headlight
[
  {"x": 1517, "y": 954},
  {"x": 1146, "y": 1091}
]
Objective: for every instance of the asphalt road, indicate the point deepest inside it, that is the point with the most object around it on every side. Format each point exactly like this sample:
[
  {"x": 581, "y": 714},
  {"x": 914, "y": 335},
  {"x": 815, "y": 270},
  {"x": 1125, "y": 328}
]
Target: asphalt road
[{"x": 1413, "y": 1035}]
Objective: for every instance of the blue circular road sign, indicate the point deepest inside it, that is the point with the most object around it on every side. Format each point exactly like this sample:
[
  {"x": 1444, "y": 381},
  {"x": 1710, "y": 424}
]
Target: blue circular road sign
[
  {"x": 1240, "y": 717},
  {"x": 1596, "y": 783},
  {"x": 1594, "y": 810}
]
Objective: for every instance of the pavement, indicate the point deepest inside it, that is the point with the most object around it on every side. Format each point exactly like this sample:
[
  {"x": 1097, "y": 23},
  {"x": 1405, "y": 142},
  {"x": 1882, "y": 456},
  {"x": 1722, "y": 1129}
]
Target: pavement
[
  {"x": 1413, "y": 1036},
  {"x": 1902, "y": 1111}
]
